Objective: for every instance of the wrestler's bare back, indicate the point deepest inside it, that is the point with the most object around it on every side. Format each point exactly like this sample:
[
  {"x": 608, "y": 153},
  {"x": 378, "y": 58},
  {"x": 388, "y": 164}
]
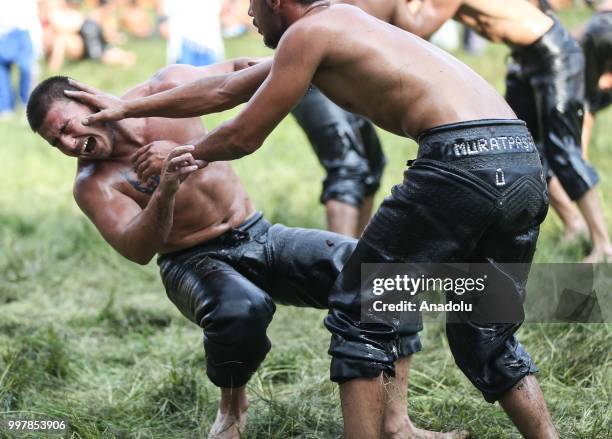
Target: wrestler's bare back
[
  {"x": 401, "y": 82},
  {"x": 208, "y": 202}
]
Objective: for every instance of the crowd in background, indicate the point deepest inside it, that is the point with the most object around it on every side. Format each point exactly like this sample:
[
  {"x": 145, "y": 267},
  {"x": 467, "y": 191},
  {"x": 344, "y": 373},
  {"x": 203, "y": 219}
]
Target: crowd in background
[{"x": 60, "y": 31}]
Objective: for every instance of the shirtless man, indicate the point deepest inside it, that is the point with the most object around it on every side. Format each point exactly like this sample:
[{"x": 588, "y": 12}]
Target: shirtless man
[
  {"x": 475, "y": 193},
  {"x": 545, "y": 88},
  {"x": 202, "y": 223}
]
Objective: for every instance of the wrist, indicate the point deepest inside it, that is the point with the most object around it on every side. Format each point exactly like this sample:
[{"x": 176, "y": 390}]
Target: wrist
[
  {"x": 167, "y": 190},
  {"x": 128, "y": 109}
]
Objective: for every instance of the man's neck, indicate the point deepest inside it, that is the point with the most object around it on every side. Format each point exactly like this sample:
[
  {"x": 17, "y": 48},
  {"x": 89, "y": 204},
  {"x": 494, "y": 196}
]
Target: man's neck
[{"x": 129, "y": 136}]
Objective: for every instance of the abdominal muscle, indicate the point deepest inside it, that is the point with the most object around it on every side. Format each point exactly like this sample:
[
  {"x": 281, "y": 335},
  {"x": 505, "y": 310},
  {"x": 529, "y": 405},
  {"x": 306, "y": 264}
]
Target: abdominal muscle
[{"x": 207, "y": 205}]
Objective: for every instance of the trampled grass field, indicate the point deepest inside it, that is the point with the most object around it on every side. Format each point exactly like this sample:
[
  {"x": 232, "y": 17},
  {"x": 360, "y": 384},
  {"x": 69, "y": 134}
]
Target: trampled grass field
[{"x": 90, "y": 338}]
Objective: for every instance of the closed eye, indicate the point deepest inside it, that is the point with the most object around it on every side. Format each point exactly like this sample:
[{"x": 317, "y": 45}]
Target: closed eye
[{"x": 61, "y": 131}]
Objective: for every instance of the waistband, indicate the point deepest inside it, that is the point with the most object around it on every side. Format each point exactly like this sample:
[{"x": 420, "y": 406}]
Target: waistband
[
  {"x": 475, "y": 138},
  {"x": 252, "y": 227},
  {"x": 555, "y": 41}
]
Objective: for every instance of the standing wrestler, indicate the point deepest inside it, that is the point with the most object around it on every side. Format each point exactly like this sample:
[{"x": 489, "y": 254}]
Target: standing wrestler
[
  {"x": 475, "y": 193},
  {"x": 211, "y": 241},
  {"x": 545, "y": 87}
]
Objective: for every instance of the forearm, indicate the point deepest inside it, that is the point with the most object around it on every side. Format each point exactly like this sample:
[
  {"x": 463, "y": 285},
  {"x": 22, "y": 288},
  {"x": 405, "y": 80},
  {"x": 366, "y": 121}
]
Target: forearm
[
  {"x": 146, "y": 234},
  {"x": 203, "y": 96},
  {"x": 176, "y": 75},
  {"x": 225, "y": 143}
]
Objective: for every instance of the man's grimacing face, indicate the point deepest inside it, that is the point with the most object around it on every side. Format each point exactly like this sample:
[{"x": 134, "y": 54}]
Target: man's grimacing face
[
  {"x": 268, "y": 24},
  {"x": 62, "y": 128}
]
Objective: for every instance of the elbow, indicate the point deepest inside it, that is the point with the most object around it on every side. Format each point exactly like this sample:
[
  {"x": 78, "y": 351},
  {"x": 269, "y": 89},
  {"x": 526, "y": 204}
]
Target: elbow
[
  {"x": 139, "y": 258},
  {"x": 163, "y": 79}
]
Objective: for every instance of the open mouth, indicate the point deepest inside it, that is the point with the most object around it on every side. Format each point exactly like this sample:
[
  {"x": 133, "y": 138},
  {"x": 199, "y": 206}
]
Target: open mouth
[{"x": 89, "y": 146}]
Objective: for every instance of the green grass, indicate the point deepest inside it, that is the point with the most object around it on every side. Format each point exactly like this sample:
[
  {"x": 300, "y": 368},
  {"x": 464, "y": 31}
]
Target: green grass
[{"x": 88, "y": 337}]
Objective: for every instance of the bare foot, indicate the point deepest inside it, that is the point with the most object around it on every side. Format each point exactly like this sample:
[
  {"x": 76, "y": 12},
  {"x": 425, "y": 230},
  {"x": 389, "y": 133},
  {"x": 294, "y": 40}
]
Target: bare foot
[
  {"x": 599, "y": 254},
  {"x": 404, "y": 429},
  {"x": 227, "y": 426}
]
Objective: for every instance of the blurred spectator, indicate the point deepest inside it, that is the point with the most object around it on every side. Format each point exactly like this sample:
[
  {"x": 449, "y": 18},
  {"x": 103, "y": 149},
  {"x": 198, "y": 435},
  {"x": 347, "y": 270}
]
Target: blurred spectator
[
  {"x": 68, "y": 33},
  {"x": 235, "y": 19},
  {"x": 135, "y": 19},
  {"x": 105, "y": 14},
  {"x": 20, "y": 40},
  {"x": 194, "y": 28}
]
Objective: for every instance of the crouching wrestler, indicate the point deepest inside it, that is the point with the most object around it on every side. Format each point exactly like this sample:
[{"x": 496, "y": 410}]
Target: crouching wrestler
[{"x": 223, "y": 265}]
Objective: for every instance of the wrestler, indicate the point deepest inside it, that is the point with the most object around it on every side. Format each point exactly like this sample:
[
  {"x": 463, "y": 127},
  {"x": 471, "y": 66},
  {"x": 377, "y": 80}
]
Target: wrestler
[
  {"x": 545, "y": 87},
  {"x": 596, "y": 42},
  {"x": 476, "y": 191},
  {"x": 223, "y": 265}
]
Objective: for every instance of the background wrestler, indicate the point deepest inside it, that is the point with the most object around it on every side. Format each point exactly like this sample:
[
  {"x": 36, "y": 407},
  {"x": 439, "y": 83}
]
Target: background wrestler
[
  {"x": 362, "y": 64},
  {"x": 545, "y": 87},
  {"x": 596, "y": 42},
  {"x": 213, "y": 243}
]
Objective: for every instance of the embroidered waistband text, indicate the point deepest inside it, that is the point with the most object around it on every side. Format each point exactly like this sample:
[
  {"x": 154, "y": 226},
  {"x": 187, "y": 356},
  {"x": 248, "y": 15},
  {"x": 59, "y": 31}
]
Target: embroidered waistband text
[{"x": 492, "y": 144}]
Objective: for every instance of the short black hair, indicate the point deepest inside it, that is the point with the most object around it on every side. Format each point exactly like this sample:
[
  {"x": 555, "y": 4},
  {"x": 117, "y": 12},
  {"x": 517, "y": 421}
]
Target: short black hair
[
  {"x": 43, "y": 96},
  {"x": 597, "y": 46}
]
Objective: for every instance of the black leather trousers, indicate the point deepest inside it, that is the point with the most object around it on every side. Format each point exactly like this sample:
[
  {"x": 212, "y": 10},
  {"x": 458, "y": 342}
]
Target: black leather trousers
[
  {"x": 545, "y": 88},
  {"x": 476, "y": 193},
  {"x": 229, "y": 287}
]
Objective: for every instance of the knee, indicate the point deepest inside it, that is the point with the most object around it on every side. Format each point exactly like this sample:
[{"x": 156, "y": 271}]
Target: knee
[{"x": 241, "y": 322}]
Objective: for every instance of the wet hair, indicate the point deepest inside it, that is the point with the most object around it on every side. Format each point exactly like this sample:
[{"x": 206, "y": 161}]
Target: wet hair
[
  {"x": 43, "y": 96},
  {"x": 597, "y": 46}
]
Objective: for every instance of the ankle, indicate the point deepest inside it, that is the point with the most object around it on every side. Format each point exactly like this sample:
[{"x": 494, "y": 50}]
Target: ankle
[
  {"x": 233, "y": 402},
  {"x": 397, "y": 425}
]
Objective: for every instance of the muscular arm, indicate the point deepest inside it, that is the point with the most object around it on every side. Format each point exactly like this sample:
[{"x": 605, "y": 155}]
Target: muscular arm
[
  {"x": 176, "y": 75},
  {"x": 424, "y": 17},
  {"x": 299, "y": 54},
  {"x": 135, "y": 233},
  {"x": 204, "y": 95}
]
